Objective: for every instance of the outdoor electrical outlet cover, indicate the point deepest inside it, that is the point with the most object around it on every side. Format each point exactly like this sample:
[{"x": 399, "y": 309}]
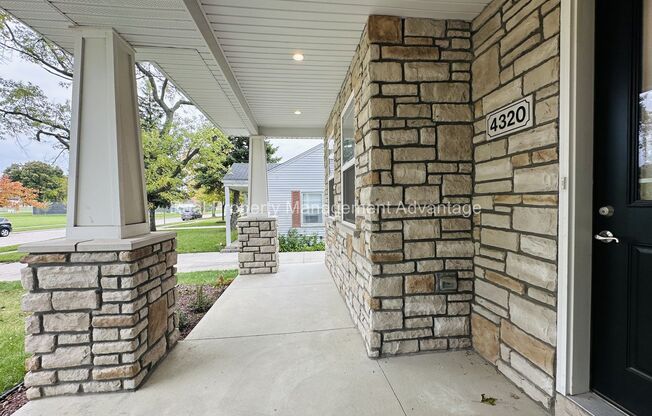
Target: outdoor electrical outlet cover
[{"x": 446, "y": 282}]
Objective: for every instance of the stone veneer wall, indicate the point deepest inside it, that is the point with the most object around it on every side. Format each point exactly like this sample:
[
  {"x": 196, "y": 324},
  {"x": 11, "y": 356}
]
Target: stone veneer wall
[
  {"x": 258, "y": 245},
  {"x": 411, "y": 80},
  {"x": 100, "y": 320},
  {"x": 516, "y": 182},
  {"x": 347, "y": 256}
]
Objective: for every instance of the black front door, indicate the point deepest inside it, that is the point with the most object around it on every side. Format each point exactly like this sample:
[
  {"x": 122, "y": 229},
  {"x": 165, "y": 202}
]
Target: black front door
[{"x": 621, "y": 356}]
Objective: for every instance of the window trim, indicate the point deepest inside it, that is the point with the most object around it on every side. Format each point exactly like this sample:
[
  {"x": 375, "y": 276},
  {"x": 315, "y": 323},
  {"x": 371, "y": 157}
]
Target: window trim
[
  {"x": 348, "y": 164},
  {"x": 312, "y": 224},
  {"x": 331, "y": 176}
]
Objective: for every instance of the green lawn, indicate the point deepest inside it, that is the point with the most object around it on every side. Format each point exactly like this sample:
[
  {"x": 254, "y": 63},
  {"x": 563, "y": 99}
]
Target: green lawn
[
  {"x": 206, "y": 222},
  {"x": 12, "y": 335},
  {"x": 202, "y": 240},
  {"x": 9, "y": 254},
  {"x": 25, "y": 221},
  {"x": 207, "y": 277}
]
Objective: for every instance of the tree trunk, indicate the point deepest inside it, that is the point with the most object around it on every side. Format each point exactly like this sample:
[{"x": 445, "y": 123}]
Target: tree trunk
[
  {"x": 152, "y": 219},
  {"x": 223, "y": 206},
  {"x": 213, "y": 208},
  {"x": 235, "y": 209}
]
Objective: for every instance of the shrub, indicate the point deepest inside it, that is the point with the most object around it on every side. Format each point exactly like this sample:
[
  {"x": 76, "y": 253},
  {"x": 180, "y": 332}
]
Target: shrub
[
  {"x": 294, "y": 241},
  {"x": 183, "y": 321},
  {"x": 201, "y": 303}
]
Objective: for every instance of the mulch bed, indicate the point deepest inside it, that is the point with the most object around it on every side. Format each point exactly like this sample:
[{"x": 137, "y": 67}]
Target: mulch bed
[
  {"x": 13, "y": 401},
  {"x": 186, "y": 302},
  {"x": 187, "y": 297}
]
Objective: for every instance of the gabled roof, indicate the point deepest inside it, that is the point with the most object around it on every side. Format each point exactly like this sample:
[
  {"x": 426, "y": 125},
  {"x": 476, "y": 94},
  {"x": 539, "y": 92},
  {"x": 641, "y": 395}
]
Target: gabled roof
[{"x": 239, "y": 172}]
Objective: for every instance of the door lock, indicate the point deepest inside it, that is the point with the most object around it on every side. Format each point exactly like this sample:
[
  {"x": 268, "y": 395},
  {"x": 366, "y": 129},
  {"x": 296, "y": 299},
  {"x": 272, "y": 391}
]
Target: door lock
[
  {"x": 606, "y": 237},
  {"x": 606, "y": 211}
]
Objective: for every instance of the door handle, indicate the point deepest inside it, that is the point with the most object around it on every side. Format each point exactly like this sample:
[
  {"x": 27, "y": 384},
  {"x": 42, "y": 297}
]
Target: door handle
[{"x": 606, "y": 237}]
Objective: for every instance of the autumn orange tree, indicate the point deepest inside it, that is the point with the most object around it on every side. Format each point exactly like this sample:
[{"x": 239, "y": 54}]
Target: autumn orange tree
[{"x": 14, "y": 194}]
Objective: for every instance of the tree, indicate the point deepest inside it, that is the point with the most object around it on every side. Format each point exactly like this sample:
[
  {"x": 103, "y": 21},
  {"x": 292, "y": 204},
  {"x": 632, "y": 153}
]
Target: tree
[
  {"x": 26, "y": 110},
  {"x": 14, "y": 194},
  {"x": 210, "y": 180},
  {"x": 48, "y": 181},
  {"x": 171, "y": 159}
]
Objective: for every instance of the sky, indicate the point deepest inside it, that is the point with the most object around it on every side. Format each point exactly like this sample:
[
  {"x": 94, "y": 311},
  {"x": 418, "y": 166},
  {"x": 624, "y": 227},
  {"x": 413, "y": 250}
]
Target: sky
[{"x": 23, "y": 149}]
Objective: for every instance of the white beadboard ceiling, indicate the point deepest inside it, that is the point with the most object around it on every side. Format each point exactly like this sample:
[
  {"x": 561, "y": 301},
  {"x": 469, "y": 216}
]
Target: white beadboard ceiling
[{"x": 233, "y": 58}]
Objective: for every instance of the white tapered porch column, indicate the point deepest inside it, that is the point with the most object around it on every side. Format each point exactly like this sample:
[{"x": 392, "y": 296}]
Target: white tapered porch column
[
  {"x": 227, "y": 214},
  {"x": 257, "y": 177},
  {"x": 257, "y": 233},
  {"x": 106, "y": 192}
]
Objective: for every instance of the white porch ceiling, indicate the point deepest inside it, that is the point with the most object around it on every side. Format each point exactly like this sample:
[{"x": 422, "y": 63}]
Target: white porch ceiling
[{"x": 233, "y": 58}]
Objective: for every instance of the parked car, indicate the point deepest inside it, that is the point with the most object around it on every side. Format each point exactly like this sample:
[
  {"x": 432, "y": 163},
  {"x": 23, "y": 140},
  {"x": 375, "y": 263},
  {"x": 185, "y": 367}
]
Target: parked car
[
  {"x": 5, "y": 227},
  {"x": 190, "y": 215}
]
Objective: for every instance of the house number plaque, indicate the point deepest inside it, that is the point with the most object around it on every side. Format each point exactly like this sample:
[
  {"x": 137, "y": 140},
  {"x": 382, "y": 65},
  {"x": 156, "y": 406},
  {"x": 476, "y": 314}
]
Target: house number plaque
[{"x": 513, "y": 117}]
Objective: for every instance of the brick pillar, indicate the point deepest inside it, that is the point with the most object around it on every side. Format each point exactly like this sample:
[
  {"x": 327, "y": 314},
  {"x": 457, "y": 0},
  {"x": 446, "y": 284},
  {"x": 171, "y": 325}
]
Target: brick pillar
[
  {"x": 258, "y": 251},
  {"x": 102, "y": 315}
]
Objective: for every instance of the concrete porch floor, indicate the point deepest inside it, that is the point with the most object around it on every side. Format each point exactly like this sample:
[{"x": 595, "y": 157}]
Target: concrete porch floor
[{"x": 284, "y": 345}]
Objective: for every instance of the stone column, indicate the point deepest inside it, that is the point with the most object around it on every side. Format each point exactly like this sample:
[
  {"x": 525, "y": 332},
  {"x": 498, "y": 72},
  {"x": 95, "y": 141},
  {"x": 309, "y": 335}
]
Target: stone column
[
  {"x": 102, "y": 314},
  {"x": 101, "y": 300},
  {"x": 257, "y": 232}
]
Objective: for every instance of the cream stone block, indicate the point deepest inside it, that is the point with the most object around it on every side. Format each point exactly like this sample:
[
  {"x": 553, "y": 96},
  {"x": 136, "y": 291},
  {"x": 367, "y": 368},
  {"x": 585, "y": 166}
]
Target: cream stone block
[
  {"x": 451, "y": 326},
  {"x": 492, "y": 170},
  {"x": 454, "y": 142},
  {"x": 385, "y": 71},
  {"x": 67, "y": 277},
  {"x": 399, "y": 137},
  {"x": 454, "y": 248},
  {"x": 520, "y": 32},
  {"x": 425, "y": 305},
  {"x": 534, "y": 319},
  {"x": 382, "y": 320},
  {"x": 537, "y": 179},
  {"x": 409, "y": 173},
  {"x": 535, "y": 220},
  {"x": 535, "y": 272},
  {"x": 445, "y": 92},
  {"x": 541, "y": 136},
  {"x": 426, "y": 71},
  {"x": 501, "y": 239},
  {"x": 424, "y": 27},
  {"x": 452, "y": 113},
  {"x": 421, "y": 229}
]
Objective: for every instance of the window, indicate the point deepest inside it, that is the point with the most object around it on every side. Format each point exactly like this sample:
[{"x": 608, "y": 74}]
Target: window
[
  {"x": 331, "y": 177},
  {"x": 348, "y": 163},
  {"x": 311, "y": 208}
]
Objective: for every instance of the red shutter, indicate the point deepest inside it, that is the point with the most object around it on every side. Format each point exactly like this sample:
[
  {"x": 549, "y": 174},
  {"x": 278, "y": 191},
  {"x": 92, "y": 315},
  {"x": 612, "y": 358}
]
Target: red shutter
[{"x": 296, "y": 209}]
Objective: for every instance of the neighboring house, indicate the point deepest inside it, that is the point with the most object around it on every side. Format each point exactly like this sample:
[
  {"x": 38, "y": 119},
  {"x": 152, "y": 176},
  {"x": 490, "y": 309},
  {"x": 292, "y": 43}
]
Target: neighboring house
[{"x": 295, "y": 189}]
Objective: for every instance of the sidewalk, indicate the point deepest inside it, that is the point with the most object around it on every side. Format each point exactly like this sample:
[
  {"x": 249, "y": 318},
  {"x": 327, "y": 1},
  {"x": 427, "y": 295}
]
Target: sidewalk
[{"x": 194, "y": 262}]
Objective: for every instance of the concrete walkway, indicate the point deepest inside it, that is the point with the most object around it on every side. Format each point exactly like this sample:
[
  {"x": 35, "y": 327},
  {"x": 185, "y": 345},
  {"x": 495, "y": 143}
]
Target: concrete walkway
[
  {"x": 284, "y": 345},
  {"x": 193, "y": 262}
]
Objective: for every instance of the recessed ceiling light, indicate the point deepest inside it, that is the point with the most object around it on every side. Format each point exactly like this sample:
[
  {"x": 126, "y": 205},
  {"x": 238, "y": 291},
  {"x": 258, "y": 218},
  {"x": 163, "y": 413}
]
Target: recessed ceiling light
[
  {"x": 298, "y": 56},
  {"x": 297, "y": 112}
]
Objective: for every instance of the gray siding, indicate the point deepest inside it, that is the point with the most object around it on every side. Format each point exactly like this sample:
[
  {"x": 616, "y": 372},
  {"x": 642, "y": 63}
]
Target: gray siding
[{"x": 303, "y": 173}]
